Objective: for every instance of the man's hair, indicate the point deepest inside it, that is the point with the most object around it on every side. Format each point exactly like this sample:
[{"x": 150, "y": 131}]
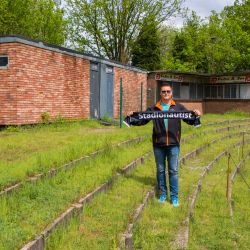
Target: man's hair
[{"x": 165, "y": 84}]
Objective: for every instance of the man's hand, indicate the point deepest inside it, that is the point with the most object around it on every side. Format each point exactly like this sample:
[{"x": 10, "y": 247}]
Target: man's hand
[
  {"x": 130, "y": 113},
  {"x": 197, "y": 112}
]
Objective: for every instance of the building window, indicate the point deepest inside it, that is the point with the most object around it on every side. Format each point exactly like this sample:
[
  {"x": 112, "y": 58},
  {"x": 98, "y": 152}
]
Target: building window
[
  {"x": 214, "y": 91},
  {"x": 192, "y": 88},
  {"x": 234, "y": 91},
  {"x": 196, "y": 91},
  {"x": 227, "y": 91},
  {"x": 222, "y": 91},
  {"x": 207, "y": 91},
  {"x": 244, "y": 91},
  {"x": 186, "y": 90},
  {"x": 4, "y": 61},
  {"x": 199, "y": 91},
  {"x": 176, "y": 89}
]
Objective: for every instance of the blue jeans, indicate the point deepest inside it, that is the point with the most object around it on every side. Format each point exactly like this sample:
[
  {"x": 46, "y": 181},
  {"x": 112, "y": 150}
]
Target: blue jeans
[{"x": 172, "y": 155}]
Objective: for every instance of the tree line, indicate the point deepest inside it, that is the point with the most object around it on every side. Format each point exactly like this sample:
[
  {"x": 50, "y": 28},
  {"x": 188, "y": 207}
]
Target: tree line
[
  {"x": 135, "y": 31},
  {"x": 37, "y": 19},
  {"x": 191, "y": 48}
]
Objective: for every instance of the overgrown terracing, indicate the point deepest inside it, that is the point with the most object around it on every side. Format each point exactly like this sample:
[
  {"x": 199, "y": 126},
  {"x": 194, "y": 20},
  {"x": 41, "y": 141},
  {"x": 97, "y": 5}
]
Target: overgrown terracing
[
  {"x": 28, "y": 161},
  {"x": 35, "y": 150},
  {"x": 170, "y": 228},
  {"x": 240, "y": 206},
  {"x": 71, "y": 241},
  {"x": 65, "y": 188},
  {"x": 212, "y": 213}
]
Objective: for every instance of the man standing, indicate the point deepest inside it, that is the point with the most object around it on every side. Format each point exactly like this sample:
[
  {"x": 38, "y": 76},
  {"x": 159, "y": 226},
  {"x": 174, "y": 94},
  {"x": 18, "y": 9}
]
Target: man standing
[{"x": 166, "y": 139}]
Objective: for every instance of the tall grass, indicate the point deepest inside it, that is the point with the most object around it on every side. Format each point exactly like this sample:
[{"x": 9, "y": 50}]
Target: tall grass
[
  {"x": 229, "y": 115},
  {"x": 31, "y": 153},
  {"x": 161, "y": 224},
  {"x": 213, "y": 227},
  {"x": 35, "y": 150},
  {"x": 108, "y": 216},
  {"x": 241, "y": 212},
  {"x": 27, "y": 212}
]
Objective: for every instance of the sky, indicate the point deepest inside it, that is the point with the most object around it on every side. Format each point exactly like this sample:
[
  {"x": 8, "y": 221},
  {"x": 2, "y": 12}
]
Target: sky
[{"x": 203, "y": 8}]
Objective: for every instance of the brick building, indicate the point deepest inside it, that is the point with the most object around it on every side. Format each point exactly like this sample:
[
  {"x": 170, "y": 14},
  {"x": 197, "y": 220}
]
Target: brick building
[
  {"x": 37, "y": 77},
  {"x": 210, "y": 93}
]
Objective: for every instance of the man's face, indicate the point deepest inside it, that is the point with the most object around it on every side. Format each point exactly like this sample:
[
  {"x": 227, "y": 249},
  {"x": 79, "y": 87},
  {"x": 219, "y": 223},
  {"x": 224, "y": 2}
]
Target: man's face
[{"x": 166, "y": 92}]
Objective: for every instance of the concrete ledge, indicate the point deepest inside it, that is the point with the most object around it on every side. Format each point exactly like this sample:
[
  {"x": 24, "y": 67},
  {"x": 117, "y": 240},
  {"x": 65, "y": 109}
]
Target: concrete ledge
[
  {"x": 138, "y": 212},
  {"x": 131, "y": 166},
  {"x": 37, "y": 244},
  {"x": 8, "y": 191},
  {"x": 93, "y": 155},
  {"x": 228, "y": 121},
  {"x": 194, "y": 197},
  {"x": 143, "y": 160},
  {"x": 61, "y": 220},
  {"x": 150, "y": 154},
  {"x": 75, "y": 210},
  {"x": 238, "y": 167},
  {"x": 126, "y": 241},
  {"x": 198, "y": 189}
]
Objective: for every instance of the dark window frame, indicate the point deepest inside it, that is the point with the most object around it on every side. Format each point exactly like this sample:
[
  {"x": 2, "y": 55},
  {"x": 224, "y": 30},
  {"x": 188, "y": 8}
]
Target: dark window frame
[
  {"x": 228, "y": 90},
  {"x": 7, "y": 65}
]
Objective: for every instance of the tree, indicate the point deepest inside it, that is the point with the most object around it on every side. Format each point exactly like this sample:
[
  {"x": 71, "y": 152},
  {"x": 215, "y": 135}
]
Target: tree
[
  {"x": 38, "y": 19},
  {"x": 236, "y": 20},
  {"x": 188, "y": 50},
  {"x": 113, "y": 28},
  {"x": 192, "y": 47},
  {"x": 147, "y": 52},
  {"x": 166, "y": 37}
]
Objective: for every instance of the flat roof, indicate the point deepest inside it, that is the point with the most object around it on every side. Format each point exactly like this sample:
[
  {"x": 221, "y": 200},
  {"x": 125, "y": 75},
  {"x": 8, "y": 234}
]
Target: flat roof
[
  {"x": 201, "y": 74},
  {"x": 60, "y": 49}
]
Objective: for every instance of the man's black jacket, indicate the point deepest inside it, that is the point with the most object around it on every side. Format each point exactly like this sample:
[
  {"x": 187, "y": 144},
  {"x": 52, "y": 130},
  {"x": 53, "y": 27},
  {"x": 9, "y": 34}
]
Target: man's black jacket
[{"x": 161, "y": 136}]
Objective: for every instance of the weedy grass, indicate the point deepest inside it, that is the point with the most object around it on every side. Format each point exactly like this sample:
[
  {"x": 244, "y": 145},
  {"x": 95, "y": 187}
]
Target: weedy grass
[
  {"x": 241, "y": 212},
  {"x": 28, "y": 211},
  {"x": 161, "y": 223},
  {"x": 188, "y": 130},
  {"x": 229, "y": 115},
  {"x": 212, "y": 227},
  {"x": 201, "y": 140},
  {"x": 30, "y": 153},
  {"x": 37, "y": 150},
  {"x": 108, "y": 216}
]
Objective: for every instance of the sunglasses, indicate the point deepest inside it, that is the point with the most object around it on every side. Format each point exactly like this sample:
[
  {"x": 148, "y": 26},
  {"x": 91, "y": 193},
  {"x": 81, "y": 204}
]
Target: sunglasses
[{"x": 167, "y": 91}]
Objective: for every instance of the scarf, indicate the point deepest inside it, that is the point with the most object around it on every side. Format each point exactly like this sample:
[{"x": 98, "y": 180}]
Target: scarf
[{"x": 149, "y": 115}]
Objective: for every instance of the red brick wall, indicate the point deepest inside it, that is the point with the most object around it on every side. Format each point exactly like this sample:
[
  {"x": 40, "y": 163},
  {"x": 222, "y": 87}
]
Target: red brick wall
[
  {"x": 151, "y": 93},
  {"x": 216, "y": 106},
  {"x": 222, "y": 106},
  {"x": 192, "y": 104},
  {"x": 40, "y": 80},
  {"x": 8, "y": 90},
  {"x": 131, "y": 83}
]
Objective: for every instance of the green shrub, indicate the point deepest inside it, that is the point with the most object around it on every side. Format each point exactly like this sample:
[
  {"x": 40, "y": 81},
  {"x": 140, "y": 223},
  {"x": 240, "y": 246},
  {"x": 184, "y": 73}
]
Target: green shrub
[
  {"x": 13, "y": 128},
  {"x": 107, "y": 118},
  {"x": 237, "y": 113},
  {"x": 45, "y": 117}
]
